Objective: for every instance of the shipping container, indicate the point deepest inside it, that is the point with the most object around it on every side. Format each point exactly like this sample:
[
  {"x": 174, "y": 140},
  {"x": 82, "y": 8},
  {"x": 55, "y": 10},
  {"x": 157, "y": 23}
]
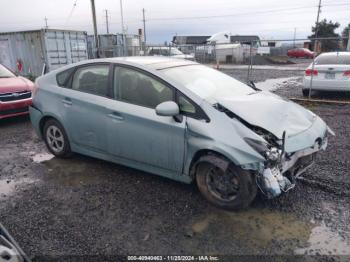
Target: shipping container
[
  {"x": 114, "y": 45},
  {"x": 28, "y": 53},
  {"x": 111, "y": 45}
]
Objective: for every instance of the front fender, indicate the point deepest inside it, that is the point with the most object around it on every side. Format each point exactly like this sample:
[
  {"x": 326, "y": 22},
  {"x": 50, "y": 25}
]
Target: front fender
[{"x": 225, "y": 141}]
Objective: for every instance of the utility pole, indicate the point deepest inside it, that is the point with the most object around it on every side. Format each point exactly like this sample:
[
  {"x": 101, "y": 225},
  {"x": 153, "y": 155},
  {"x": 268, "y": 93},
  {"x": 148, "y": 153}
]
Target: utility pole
[
  {"x": 348, "y": 48},
  {"x": 107, "y": 26},
  {"x": 46, "y": 26},
  {"x": 123, "y": 29},
  {"x": 95, "y": 26},
  {"x": 122, "y": 16},
  {"x": 144, "y": 28},
  {"x": 295, "y": 32},
  {"x": 317, "y": 25},
  {"x": 315, "y": 46}
]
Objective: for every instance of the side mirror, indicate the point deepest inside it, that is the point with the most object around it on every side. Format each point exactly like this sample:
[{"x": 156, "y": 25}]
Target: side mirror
[{"x": 168, "y": 108}]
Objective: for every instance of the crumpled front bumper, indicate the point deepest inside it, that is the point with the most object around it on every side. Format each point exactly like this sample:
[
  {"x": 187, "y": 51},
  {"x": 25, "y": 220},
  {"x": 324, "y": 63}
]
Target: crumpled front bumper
[
  {"x": 299, "y": 161},
  {"x": 299, "y": 155}
]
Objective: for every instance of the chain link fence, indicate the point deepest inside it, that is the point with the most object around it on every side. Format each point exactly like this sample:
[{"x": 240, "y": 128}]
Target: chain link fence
[{"x": 245, "y": 61}]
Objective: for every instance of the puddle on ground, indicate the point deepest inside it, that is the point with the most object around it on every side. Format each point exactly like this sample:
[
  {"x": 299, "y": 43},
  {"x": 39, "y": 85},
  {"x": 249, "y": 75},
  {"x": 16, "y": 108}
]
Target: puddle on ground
[
  {"x": 74, "y": 171},
  {"x": 38, "y": 158},
  {"x": 323, "y": 241},
  {"x": 261, "y": 229},
  {"x": 8, "y": 187},
  {"x": 257, "y": 227}
]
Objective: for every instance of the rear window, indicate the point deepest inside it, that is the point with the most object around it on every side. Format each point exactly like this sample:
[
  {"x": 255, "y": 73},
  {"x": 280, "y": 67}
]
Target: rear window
[{"x": 333, "y": 60}]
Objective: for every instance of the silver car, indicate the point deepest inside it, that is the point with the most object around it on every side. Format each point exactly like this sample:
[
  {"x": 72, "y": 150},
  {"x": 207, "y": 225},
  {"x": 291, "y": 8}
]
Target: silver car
[
  {"x": 181, "y": 120},
  {"x": 331, "y": 72},
  {"x": 173, "y": 52}
]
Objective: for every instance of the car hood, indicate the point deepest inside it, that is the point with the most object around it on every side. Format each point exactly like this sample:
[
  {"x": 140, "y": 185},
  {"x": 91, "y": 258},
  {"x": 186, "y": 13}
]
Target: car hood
[
  {"x": 14, "y": 84},
  {"x": 270, "y": 112}
]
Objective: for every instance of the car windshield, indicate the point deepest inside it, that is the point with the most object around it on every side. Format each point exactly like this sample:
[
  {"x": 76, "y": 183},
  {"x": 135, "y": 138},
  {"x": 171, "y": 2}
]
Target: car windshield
[
  {"x": 333, "y": 60},
  {"x": 4, "y": 72},
  {"x": 206, "y": 82},
  {"x": 175, "y": 51}
]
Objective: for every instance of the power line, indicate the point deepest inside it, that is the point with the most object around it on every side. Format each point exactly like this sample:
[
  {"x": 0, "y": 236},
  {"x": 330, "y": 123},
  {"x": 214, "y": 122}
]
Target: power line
[
  {"x": 70, "y": 13},
  {"x": 229, "y": 15},
  {"x": 238, "y": 14}
]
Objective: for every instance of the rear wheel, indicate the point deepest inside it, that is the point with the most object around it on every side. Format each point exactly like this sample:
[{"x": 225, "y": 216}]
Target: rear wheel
[
  {"x": 230, "y": 188},
  {"x": 56, "y": 139},
  {"x": 306, "y": 92}
]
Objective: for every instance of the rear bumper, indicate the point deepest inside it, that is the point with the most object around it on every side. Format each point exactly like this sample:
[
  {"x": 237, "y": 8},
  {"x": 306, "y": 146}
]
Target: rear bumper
[
  {"x": 35, "y": 117},
  {"x": 14, "y": 108},
  {"x": 327, "y": 85}
]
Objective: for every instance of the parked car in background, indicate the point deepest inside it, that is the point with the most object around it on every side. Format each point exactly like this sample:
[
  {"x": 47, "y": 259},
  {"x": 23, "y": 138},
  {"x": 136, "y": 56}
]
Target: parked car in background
[
  {"x": 331, "y": 72},
  {"x": 168, "y": 51},
  {"x": 178, "y": 119},
  {"x": 300, "y": 53},
  {"x": 15, "y": 94}
]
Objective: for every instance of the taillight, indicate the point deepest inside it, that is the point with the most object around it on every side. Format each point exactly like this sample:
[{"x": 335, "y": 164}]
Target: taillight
[
  {"x": 309, "y": 72},
  {"x": 347, "y": 73}
]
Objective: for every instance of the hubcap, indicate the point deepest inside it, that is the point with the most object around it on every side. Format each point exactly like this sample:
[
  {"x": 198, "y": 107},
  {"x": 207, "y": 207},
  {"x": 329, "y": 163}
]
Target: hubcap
[
  {"x": 223, "y": 185},
  {"x": 55, "y": 139}
]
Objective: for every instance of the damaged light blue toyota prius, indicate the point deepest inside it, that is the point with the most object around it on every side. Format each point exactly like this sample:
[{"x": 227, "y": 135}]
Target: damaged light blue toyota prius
[{"x": 178, "y": 119}]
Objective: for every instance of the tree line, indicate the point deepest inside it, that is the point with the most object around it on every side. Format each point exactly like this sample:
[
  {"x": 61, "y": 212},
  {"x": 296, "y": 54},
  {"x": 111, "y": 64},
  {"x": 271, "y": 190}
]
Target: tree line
[{"x": 327, "y": 29}]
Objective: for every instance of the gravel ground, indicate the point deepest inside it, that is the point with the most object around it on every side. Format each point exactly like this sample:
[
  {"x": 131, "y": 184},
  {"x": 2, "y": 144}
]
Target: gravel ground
[{"x": 83, "y": 206}]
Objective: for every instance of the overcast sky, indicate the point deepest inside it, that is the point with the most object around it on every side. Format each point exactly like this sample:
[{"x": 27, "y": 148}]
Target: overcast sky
[{"x": 267, "y": 18}]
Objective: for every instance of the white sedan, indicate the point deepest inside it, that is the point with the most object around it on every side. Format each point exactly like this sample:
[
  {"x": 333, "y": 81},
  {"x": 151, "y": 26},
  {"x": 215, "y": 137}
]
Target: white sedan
[{"x": 331, "y": 72}]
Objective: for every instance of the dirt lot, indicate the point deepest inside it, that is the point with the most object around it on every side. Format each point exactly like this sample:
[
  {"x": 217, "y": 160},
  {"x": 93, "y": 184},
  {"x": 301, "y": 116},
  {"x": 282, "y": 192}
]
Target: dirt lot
[{"x": 83, "y": 206}]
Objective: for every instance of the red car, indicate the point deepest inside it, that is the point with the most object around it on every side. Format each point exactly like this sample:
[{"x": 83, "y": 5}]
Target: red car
[
  {"x": 15, "y": 94},
  {"x": 301, "y": 52}
]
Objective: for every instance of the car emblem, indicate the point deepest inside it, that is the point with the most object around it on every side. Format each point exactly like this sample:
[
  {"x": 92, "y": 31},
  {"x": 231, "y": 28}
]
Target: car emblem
[{"x": 15, "y": 94}]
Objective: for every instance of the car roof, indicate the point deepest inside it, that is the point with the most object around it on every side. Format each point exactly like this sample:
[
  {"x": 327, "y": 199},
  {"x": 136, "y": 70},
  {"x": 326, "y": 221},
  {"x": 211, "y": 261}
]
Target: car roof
[
  {"x": 154, "y": 62},
  {"x": 336, "y": 54}
]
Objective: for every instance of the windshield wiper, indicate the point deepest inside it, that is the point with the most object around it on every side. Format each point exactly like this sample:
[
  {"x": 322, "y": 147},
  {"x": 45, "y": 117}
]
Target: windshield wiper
[{"x": 252, "y": 85}]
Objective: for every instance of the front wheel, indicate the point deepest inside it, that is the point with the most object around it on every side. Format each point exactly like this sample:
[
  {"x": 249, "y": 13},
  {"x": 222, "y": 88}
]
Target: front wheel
[
  {"x": 56, "y": 139},
  {"x": 230, "y": 188}
]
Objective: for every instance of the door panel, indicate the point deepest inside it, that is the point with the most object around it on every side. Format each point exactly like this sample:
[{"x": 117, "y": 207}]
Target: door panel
[
  {"x": 85, "y": 119},
  {"x": 137, "y": 133},
  {"x": 83, "y": 104}
]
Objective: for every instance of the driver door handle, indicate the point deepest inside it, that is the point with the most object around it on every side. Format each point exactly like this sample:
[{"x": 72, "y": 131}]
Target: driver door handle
[
  {"x": 116, "y": 116},
  {"x": 67, "y": 101}
]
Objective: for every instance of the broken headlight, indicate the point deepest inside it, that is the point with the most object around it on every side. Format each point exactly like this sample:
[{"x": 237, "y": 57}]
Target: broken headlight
[{"x": 270, "y": 153}]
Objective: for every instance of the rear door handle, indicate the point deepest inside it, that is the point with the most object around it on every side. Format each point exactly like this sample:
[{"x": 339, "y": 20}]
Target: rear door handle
[
  {"x": 67, "y": 101},
  {"x": 116, "y": 116}
]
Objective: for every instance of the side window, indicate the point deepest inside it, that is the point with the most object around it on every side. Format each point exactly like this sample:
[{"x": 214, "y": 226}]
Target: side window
[
  {"x": 137, "y": 88},
  {"x": 186, "y": 106},
  {"x": 92, "y": 79},
  {"x": 62, "y": 78},
  {"x": 189, "y": 108}
]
